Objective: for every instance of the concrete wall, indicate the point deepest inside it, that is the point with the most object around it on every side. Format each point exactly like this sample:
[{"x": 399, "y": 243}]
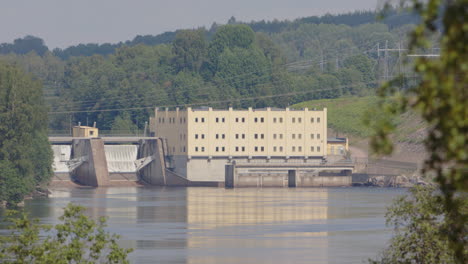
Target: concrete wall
[
  {"x": 93, "y": 171},
  {"x": 240, "y": 177}
]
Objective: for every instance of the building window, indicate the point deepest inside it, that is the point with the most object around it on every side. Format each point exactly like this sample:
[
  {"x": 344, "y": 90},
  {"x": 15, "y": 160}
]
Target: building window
[
  {"x": 318, "y": 136},
  {"x": 312, "y": 120},
  {"x": 262, "y": 136},
  {"x": 256, "y": 136},
  {"x": 274, "y": 119},
  {"x": 262, "y": 119},
  {"x": 222, "y": 149},
  {"x": 237, "y": 149},
  {"x": 159, "y": 120},
  {"x": 293, "y": 136},
  {"x": 294, "y": 120},
  {"x": 312, "y": 149},
  {"x": 222, "y": 120},
  {"x": 256, "y": 149},
  {"x": 318, "y": 149},
  {"x": 237, "y": 136},
  {"x": 299, "y": 136},
  {"x": 281, "y": 149},
  {"x": 243, "y": 136},
  {"x": 237, "y": 120},
  {"x": 196, "y": 149},
  {"x": 217, "y": 136},
  {"x": 163, "y": 119},
  {"x": 274, "y": 136},
  {"x": 281, "y": 120},
  {"x": 293, "y": 149},
  {"x": 217, "y": 149},
  {"x": 274, "y": 149},
  {"x": 243, "y": 149},
  {"x": 312, "y": 136},
  {"x": 262, "y": 149},
  {"x": 223, "y": 136},
  {"x": 185, "y": 120},
  {"x": 183, "y": 149},
  {"x": 196, "y": 119},
  {"x": 318, "y": 119},
  {"x": 203, "y": 120},
  {"x": 299, "y": 120},
  {"x": 203, "y": 149},
  {"x": 217, "y": 120},
  {"x": 173, "y": 149},
  {"x": 281, "y": 136},
  {"x": 299, "y": 149},
  {"x": 255, "y": 120},
  {"x": 203, "y": 136},
  {"x": 243, "y": 120}
]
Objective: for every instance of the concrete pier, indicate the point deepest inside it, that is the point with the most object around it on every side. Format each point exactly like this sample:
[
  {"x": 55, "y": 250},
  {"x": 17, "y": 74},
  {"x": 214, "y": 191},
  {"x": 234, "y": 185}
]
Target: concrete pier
[
  {"x": 154, "y": 171},
  {"x": 93, "y": 168}
]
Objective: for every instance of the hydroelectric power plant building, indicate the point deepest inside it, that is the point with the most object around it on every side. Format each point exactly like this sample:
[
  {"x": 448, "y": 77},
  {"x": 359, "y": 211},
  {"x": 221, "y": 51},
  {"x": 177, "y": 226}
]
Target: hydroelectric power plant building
[{"x": 201, "y": 142}]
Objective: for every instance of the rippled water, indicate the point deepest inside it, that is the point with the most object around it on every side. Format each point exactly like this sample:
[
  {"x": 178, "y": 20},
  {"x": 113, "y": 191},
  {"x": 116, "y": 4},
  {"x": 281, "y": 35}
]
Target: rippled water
[{"x": 215, "y": 225}]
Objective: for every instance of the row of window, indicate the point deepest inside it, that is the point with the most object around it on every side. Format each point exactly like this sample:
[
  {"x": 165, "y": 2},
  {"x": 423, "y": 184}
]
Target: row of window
[
  {"x": 257, "y": 149},
  {"x": 256, "y": 136},
  {"x": 223, "y": 120},
  {"x": 256, "y": 120},
  {"x": 172, "y": 120}
]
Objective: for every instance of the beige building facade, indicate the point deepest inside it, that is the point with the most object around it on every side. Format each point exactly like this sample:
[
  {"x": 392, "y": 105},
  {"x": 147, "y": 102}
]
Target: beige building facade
[{"x": 201, "y": 141}]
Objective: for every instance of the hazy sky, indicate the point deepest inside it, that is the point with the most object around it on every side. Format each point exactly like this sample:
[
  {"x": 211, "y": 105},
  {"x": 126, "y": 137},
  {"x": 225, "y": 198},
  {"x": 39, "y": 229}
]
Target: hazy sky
[{"x": 68, "y": 22}]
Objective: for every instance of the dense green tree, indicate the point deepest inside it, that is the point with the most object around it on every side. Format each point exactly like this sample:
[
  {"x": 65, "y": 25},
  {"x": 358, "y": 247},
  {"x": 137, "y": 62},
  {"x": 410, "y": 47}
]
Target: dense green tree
[
  {"x": 189, "y": 48},
  {"x": 25, "y": 45},
  {"x": 362, "y": 64},
  {"x": 24, "y": 149},
  {"x": 422, "y": 240},
  {"x": 229, "y": 37},
  {"x": 76, "y": 239}
]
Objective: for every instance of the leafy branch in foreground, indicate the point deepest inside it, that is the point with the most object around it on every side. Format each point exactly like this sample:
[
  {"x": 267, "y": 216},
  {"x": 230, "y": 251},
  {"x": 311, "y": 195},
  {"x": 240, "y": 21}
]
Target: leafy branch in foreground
[
  {"x": 418, "y": 221},
  {"x": 77, "y": 239},
  {"x": 440, "y": 96}
]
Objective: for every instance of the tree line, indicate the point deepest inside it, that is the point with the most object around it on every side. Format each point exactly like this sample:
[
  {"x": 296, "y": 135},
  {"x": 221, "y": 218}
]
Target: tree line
[{"x": 227, "y": 65}]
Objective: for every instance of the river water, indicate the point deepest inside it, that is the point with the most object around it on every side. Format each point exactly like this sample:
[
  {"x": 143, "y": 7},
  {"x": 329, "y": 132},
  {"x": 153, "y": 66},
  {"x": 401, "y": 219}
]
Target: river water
[{"x": 216, "y": 225}]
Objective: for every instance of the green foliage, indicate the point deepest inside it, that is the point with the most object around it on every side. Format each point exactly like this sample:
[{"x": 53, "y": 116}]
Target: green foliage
[
  {"x": 189, "y": 48},
  {"x": 25, "y": 45},
  {"x": 124, "y": 123},
  {"x": 77, "y": 239},
  {"x": 345, "y": 114},
  {"x": 418, "y": 221},
  {"x": 24, "y": 148},
  {"x": 440, "y": 97}
]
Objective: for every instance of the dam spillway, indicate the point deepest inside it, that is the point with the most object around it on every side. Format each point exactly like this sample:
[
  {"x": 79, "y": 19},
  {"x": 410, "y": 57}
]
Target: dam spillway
[
  {"x": 60, "y": 165},
  {"x": 121, "y": 161}
]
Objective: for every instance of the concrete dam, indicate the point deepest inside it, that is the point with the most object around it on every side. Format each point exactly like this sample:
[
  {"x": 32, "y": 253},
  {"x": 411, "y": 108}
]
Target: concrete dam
[
  {"x": 109, "y": 161},
  {"x": 124, "y": 161}
]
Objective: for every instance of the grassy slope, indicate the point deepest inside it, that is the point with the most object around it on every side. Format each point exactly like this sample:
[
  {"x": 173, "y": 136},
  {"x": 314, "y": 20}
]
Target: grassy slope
[{"x": 345, "y": 115}]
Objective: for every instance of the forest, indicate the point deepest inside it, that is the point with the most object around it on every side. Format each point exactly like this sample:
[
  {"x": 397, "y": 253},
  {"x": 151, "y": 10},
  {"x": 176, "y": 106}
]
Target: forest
[{"x": 256, "y": 64}]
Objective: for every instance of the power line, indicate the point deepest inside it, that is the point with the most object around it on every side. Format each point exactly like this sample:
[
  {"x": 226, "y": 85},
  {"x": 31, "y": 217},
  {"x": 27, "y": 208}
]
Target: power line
[{"x": 211, "y": 102}]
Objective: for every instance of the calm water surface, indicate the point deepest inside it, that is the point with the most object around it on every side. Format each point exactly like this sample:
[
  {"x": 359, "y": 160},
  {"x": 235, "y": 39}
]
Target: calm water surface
[{"x": 214, "y": 225}]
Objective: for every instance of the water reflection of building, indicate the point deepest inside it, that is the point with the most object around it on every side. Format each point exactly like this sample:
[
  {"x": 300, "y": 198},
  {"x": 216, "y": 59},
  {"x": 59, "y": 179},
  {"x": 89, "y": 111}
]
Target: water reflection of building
[{"x": 245, "y": 225}]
